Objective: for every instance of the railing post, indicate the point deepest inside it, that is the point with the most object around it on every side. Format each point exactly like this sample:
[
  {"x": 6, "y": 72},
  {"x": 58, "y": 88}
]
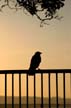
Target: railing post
[
  {"x": 19, "y": 90},
  {"x": 41, "y": 90},
  {"x": 64, "y": 88},
  {"x": 70, "y": 85},
  {"x": 34, "y": 91},
  {"x": 27, "y": 88},
  {"x": 12, "y": 90},
  {"x": 5, "y": 90},
  {"x": 49, "y": 90},
  {"x": 57, "y": 90}
]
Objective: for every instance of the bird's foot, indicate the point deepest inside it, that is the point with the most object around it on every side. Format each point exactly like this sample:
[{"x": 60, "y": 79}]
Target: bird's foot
[{"x": 38, "y": 68}]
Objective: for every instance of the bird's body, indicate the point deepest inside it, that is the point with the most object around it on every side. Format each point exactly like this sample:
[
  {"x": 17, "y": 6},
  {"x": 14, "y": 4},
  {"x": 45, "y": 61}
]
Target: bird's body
[{"x": 35, "y": 62}]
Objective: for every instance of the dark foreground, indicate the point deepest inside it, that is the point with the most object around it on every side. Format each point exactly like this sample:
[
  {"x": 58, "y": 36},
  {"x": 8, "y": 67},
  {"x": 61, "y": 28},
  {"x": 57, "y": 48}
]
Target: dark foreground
[{"x": 32, "y": 106}]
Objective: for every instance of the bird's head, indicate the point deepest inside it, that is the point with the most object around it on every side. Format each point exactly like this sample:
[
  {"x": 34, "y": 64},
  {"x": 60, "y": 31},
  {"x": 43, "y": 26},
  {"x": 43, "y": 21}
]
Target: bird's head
[{"x": 38, "y": 52}]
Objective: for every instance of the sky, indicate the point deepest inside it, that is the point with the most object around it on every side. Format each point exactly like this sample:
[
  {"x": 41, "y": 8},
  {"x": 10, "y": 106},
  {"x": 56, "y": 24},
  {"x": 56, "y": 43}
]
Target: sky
[{"x": 21, "y": 36}]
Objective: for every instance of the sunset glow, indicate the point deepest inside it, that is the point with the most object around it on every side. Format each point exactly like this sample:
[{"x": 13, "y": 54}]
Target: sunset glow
[{"x": 21, "y": 36}]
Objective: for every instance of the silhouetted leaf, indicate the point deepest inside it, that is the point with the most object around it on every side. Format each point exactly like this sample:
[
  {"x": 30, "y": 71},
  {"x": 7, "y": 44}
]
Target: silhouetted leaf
[{"x": 48, "y": 7}]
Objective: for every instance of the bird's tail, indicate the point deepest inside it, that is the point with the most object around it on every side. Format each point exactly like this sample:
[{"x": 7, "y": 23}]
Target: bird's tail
[{"x": 31, "y": 72}]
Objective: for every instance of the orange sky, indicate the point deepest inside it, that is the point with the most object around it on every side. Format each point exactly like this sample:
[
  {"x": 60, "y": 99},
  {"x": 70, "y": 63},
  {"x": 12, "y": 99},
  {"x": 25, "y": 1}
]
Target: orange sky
[{"x": 21, "y": 36}]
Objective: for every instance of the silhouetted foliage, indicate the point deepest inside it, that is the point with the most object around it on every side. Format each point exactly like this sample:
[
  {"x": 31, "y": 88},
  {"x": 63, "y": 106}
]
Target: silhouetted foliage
[{"x": 43, "y": 9}]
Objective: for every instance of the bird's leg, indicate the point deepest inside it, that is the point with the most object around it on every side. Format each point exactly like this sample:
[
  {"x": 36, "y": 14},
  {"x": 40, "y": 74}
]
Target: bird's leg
[{"x": 38, "y": 68}]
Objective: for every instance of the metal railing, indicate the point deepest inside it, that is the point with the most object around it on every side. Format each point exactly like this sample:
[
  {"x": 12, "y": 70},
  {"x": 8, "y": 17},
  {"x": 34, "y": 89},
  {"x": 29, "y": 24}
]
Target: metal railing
[{"x": 41, "y": 72}]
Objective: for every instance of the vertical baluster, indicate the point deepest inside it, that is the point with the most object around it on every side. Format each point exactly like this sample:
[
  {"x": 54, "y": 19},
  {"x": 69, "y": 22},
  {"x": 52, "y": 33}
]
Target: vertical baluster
[
  {"x": 27, "y": 89},
  {"x": 34, "y": 91},
  {"x": 5, "y": 90},
  {"x": 57, "y": 89},
  {"x": 70, "y": 85},
  {"x": 64, "y": 87},
  {"x": 19, "y": 90},
  {"x": 49, "y": 90},
  {"x": 12, "y": 90},
  {"x": 41, "y": 90}
]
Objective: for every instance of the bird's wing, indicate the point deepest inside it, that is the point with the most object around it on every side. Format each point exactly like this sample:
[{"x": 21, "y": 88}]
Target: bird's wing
[{"x": 35, "y": 61}]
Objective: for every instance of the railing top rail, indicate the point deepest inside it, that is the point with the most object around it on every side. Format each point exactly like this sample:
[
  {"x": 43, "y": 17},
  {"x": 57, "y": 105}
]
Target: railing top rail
[{"x": 35, "y": 71}]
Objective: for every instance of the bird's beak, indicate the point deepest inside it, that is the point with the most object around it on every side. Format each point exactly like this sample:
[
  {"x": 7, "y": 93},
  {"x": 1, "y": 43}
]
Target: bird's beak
[{"x": 40, "y": 52}]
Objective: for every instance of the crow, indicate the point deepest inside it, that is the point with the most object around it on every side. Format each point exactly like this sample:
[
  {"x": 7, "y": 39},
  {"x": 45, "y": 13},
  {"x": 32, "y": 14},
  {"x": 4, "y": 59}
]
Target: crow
[{"x": 35, "y": 61}]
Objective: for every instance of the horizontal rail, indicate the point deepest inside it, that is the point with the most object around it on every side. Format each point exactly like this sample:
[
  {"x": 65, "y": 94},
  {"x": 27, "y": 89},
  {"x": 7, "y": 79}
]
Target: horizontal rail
[{"x": 35, "y": 71}]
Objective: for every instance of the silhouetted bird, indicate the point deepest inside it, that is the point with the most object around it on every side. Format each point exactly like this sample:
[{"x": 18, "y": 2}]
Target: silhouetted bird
[{"x": 35, "y": 61}]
